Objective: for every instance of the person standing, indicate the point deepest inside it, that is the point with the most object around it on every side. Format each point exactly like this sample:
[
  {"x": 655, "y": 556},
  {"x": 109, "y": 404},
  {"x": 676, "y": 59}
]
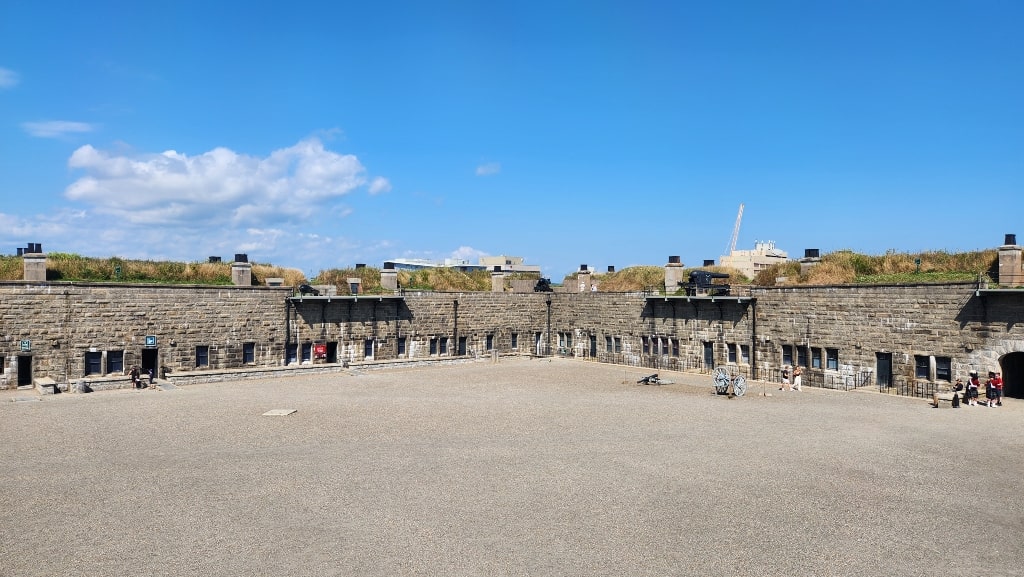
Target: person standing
[
  {"x": 997, "y": 386},
  {"x": 972, "y": 389},
  {"x": 135, "y": 376},
  {"x": 785, "y": 379},
  {"x": 990, "y": 391},
  {"x": 797, "y": 372}
]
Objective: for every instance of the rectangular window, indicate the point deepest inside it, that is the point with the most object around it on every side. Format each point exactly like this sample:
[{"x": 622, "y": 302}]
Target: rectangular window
[
  {"x": 489, "y": 343},
  {"x": 618, "y": 344},
  {"x": 444, "y": 345},
  {"x": 745, "y": 354},
  {"x": 561, "y": 340},
  {"x": 249, "y": 353},
  {"x": 922, "y": 366},
  {"x": 515, "y": 340},
  {"x": 943, "y": 369},
  {"x": 801, "y": 356},
  {"x": 645, "y": 346},
  {"x": 816, "y": 358},
  {"x": 401, "y": 346},
  {"x": 675, "y": 348},
  {"x": 93, "y": 363},
  {"x": 433, "y": 346},
  {"x": 731, "y": 348},
  {"x": 608, "y": 346},
  {"x": 832, "y": 359},
  {"x": 115, "y": 362},
  {"x": 202, "y": 356},
  {"x": 787, "y": 355},
  {"x": 307, "y": 352}
]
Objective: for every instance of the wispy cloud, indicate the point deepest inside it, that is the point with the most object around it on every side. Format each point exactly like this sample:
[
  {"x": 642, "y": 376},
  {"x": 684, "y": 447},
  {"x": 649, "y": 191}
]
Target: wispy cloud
[
  {"x": 379, "y": 185},
  {"x": 8, "y": 78},
  {"x": 488, "y": 169},
  {"x": 219, "y": 186},
  {"x": 56, "y": 128}
]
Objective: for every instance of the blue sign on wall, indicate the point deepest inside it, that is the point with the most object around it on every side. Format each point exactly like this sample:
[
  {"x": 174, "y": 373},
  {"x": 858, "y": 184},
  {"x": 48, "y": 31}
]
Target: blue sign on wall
[
  {"x": 26, "y": 345},
  {"x": 150, "y": 341}
]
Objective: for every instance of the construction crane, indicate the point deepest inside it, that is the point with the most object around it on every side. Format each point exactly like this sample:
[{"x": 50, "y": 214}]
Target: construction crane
[{"x": 735, "y": 233}]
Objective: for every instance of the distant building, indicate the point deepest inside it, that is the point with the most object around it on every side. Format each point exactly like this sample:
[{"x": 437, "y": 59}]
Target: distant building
[
  {"x": 751, "y": 262},
  {"x": 507, "y": 264}
]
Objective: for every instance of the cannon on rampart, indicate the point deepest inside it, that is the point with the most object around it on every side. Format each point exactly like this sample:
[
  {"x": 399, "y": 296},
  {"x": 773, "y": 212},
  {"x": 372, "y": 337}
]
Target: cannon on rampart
[{"x": 702, "y": 284}]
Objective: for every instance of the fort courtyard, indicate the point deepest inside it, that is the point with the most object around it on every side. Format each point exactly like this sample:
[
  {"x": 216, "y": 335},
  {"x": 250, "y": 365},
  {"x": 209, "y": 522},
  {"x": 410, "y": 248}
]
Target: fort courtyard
[{"x": 522, "y": 466}]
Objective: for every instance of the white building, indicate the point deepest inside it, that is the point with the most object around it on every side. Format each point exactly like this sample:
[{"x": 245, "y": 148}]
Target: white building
[{"x": 751, "y": 262}]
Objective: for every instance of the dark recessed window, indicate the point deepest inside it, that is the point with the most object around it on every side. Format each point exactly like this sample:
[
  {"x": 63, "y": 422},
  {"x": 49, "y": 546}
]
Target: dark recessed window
[{"x": 202, "y": 356}]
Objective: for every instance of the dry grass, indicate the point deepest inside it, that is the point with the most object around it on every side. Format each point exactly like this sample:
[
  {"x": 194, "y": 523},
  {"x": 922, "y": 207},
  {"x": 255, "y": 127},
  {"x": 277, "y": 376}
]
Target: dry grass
[
  {"x": 72, "y": 267},
  {"x": 847, "y": 267}
]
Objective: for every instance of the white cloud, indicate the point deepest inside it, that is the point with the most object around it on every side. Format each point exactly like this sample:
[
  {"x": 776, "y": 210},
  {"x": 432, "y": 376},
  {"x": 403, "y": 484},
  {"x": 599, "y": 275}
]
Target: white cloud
[
  {"x": 56, "y": 128},
  {"x": 468, "y": 253},
  {"x": 8, "y": 78},
  {"x": 216, "y": 187},
  {"x": 488, "y": 169},
  {"x": 379, "y": 185}
]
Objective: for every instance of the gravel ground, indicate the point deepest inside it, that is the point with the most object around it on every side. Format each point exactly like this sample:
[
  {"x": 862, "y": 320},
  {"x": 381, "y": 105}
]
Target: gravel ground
[{"x": 524, "y": 467}]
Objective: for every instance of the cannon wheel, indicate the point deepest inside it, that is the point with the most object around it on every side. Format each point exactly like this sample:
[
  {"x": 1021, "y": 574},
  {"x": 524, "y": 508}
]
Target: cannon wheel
[
  {"x": 721, "y": 381},
  {"x": 739, "y": 386}
]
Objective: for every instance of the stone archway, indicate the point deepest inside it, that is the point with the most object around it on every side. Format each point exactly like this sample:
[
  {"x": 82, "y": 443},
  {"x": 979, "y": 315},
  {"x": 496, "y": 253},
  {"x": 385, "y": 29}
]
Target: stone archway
[{"x": 1012, "y": 367}]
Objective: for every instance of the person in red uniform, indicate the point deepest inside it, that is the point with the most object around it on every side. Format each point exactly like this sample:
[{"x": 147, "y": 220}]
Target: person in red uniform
[{"x": 997, "y": 386}]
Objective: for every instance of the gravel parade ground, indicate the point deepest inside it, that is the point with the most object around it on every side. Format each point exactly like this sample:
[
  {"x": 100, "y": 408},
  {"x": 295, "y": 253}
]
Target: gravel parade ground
[{"x": 521, "y": 467}]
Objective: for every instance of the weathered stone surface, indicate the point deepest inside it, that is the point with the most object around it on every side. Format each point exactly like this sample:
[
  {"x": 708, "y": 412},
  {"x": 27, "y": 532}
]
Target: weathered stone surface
[{"x": 248, "y": 331}]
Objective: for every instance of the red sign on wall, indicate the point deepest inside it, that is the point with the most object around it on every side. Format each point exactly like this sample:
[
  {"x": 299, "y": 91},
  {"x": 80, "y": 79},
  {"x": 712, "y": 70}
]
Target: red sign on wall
[{"x": 320, "y": 351}]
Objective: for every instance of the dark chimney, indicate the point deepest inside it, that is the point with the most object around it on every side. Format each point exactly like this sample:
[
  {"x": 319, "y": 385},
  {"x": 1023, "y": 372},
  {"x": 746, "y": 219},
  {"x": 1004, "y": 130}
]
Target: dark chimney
[
  {"x": 810, "y": 253},
  {"x": 389, "y": 266},
  {"x": 497, "y": 268},
  {"x": 1011, "y": 239},
  {"x": 214, "y": 259},
  {"x": 583, "y": 267},
  {"x": 239, "y": 257},
  {"x": 611, "y": 268},
  {"x": 708, "y": 262},
  {"x": 21, "y": 251},
  {"x": 673, "y": 260},
  {"x": 360, "y": 265}
]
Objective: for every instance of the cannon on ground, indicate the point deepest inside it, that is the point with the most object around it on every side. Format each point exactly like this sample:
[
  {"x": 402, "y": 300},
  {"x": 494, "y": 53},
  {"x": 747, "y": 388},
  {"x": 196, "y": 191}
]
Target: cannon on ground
[
  {"x": 653, "y": 380},
  {"x": 543, "y": 286},
  {"x": 723, "y": 380},
  {"x": 305, "y": 289}
]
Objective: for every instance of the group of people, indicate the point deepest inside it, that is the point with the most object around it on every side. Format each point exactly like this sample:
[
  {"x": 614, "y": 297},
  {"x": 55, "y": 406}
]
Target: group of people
[
  {"x": 993, "y": 389},
  {"x": 136, "y": 375},
  {"x": 796, "y": 373}
]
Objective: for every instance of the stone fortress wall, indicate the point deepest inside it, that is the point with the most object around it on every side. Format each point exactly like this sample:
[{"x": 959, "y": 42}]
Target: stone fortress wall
[
  {"x": 53, "y": 334},
  {"x": 66, "y": 333}
]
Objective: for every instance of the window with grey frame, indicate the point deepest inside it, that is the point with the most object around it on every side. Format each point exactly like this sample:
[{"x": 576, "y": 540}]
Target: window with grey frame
[{"x": 832, "y": 359}]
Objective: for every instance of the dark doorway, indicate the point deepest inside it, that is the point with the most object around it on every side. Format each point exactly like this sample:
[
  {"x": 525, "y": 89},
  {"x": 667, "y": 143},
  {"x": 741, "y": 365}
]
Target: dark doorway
[
  {"x": 709, "y": 355},
  {"x": 24, "y": 370},
  {"x": 883, "y": 369},
  {"x": 291, "y": 353},
  {"x": 332, "y": 352},
  {"x": 462, "y": 346},
  {"x": 593, "y": 346},
  {"x": 150, "y": 361},
  {"x": 368, "y": 348},
  {"x": 1012, "y": 368}
]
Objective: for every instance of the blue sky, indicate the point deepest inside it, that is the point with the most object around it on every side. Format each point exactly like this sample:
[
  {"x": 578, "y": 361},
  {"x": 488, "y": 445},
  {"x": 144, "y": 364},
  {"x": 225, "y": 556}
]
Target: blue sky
[{"x": 322, "y": 134}]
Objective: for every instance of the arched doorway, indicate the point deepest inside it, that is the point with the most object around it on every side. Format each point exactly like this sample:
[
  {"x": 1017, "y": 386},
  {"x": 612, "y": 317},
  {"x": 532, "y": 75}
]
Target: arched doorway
[{"x": 1012, "y": 367}]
